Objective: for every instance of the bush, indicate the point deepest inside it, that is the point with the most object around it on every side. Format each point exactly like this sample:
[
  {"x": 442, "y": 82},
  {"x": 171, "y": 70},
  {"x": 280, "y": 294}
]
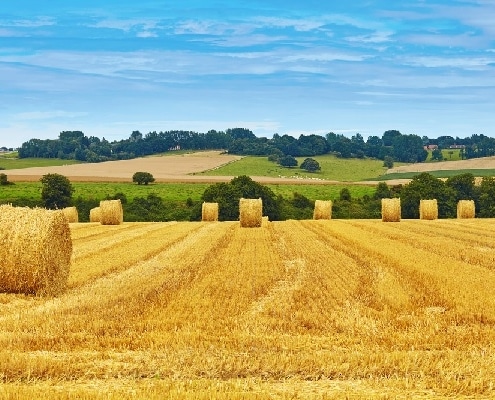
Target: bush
[
  {"x": 227, "y": 196},
  {"x": 288, "y": 161},
  {"x": 56, "y": 191},
  {"x": 388, "y": 162},
  {"x": 310, "y": 165},
  {"x": 4, "y": 180},
  {"x": 142, "y": 178}
]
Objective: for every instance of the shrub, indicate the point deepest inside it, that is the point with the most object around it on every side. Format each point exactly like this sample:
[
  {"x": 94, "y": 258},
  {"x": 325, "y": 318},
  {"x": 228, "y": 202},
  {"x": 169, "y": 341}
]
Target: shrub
[
  {"x": 310, "y": 165},
  {"x": 142, "y": 178}
]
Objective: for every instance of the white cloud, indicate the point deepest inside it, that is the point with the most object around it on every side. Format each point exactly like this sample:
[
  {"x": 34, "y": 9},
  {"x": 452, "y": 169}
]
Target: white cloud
[
  {"x": 147, "y": 34},
  {"x": 32, "y": 23},
  {"x": 375, "y": 37},
  {"x": 245, "y": 40},
  {"x": 465, "y": 40},
  {"x": 475, "y": 63},
  {"x": 44, "y": 115},
  {"x": 323, "y": 55},
  {"x": 213, "y": 28},
  {"x": 127, "y": 25},
  {"x": 299, "y": 24}
]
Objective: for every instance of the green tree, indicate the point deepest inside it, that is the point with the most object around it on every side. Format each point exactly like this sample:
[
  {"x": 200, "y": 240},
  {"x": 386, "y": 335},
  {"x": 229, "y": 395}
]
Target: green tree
[
  {"x": 227, "y": 195},
  {"x": 388, "y": 162},
  {"x": 150, "y": 208},
  {"x": 310, "y": 165},
  {"x": 389, "y": 136},
  {"x": 486, "y": 203},
  {"x": 436, "y": 155},
  {"x": 56, "y": 191},
  {"x": 425, "y": 186},
  {"x": 301, "y": 201},
  {"x": 382, "y": 191},
  {"x": 345, "y": 195},
  {"x": 288, "y": 161},
  {"x": 4, "y": 179},
  {"x": 142, "y": 178},
  {"x": 463, "y": 186},
  {"x": 409, "y": 148}
]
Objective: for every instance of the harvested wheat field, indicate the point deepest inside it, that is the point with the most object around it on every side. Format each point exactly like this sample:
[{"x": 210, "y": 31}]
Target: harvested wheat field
[{"x": 354, "y": 309}]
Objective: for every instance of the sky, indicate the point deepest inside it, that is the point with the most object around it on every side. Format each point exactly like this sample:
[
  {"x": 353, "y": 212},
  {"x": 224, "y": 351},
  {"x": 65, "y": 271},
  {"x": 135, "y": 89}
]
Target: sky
[{"x": 108, "y": 68}]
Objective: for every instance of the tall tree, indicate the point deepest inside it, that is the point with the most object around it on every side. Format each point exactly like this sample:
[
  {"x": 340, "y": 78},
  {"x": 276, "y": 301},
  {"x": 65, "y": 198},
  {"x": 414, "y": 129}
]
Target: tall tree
[
  {"x": 409, "y": 148},
  {"x": 56, "y": 191},
  {"x": 423, "y": 187}
]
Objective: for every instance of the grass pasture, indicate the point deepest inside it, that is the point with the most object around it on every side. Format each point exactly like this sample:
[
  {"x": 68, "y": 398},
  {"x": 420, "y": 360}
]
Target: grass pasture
[
  {"x": 176, "y": 192},
  {"x": 7, "y": 162},
  {"x": 448, "y": 155},
  {"x": 439, "y": 174},
  {"x": 332, "y": 168},
  {"x": 356, "y": 309}
]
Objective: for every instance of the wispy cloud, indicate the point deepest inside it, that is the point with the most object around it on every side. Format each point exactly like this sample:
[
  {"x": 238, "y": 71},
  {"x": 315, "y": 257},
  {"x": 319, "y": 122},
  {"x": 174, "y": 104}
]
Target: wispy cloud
[
  {"x": 374, "y": 37},
  {"x": 126, "y": 24},
  {"x": 465, "y": 40},
  {"x": 269, "y": 67},
  {"x": 44, "y": 115},
  {"x": 466, "y": 63},
  {"x": 31, "y": 23}
]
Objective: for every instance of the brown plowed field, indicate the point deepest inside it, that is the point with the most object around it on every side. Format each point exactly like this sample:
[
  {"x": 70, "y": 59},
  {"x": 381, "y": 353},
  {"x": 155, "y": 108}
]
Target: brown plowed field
[{"x": 170, "y": 168}]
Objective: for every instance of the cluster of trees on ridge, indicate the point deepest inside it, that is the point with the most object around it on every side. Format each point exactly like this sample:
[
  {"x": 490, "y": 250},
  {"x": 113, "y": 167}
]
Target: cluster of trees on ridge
[
  {"x": 392, "y": 145},
  {"x": 57, "y": 192}
]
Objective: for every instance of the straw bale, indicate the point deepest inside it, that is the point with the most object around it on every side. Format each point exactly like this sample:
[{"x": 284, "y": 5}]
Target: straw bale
[
  {"x": 71, "y": 214},
  {"x": 391, "y": 210},
  {"x": 428, "y": 209},
  {"x": 36, "y": 251},
  {"x": 209, "y": 212},
  {"x": 251, "y": 212},
  {"x": 323, "y": 209},
  {"x": 111, "y": 212},
  {"x": 95, "y": 214},
  {"x": 465, "y": 209}
]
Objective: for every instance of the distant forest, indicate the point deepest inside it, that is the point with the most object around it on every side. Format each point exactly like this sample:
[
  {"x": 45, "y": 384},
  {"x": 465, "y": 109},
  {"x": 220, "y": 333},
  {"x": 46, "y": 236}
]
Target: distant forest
[{"x": 392, "y": 145}]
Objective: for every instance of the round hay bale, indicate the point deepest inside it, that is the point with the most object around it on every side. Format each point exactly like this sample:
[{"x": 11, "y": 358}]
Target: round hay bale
[
  {"x": 209, "y": 212},
  {"x": 465, "y": 209},
  {"x": 111, "y": 212},
  {"x": 251, "y": 213},
  {"x": 71, "y": 214},
  {"x": 95, "y": 214},
  {"x": 36, "y": 251},
  {"x": 323, "y": 209},
  {"x": 428, "y": 209},
  {"x": 391, "y": 210}
]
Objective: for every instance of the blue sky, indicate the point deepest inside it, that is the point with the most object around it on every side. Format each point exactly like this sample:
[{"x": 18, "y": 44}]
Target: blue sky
[{"x": 292, "y": 67}]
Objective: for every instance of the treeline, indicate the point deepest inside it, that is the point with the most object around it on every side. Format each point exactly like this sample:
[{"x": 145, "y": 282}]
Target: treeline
[{"x": 392, "y": 145}]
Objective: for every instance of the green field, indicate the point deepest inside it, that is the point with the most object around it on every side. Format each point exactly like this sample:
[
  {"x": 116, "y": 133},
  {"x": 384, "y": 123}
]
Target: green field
[
  {"x": 172, "y": 191},
  {"x": 439, "y": 174},
  {"x": 332, "y": 168},
  {"x": 8, "y": 162},
  {"x": 448, "y": 155}
]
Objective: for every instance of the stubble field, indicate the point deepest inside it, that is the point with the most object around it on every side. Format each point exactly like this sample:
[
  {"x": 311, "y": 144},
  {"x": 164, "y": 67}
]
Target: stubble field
[{"x": 294, "y": 309}]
